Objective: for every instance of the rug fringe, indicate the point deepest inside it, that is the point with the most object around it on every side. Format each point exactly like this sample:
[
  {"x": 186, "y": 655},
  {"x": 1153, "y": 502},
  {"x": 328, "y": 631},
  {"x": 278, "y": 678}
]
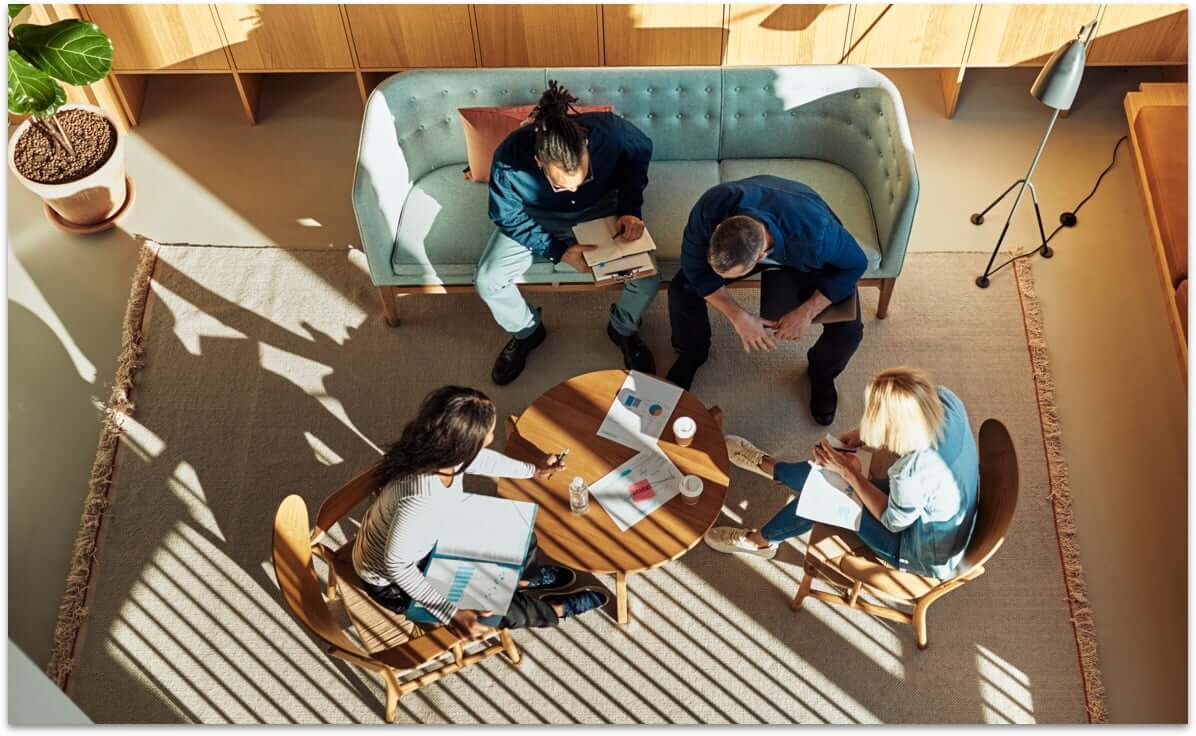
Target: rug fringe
[
  {"x": 1061, "y": 499},
  {"x": 73, "y": 610}
]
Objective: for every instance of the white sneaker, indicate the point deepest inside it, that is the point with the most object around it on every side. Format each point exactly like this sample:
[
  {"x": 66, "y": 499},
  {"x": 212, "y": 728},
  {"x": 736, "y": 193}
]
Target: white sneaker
[
  {"x": 746, "y": 455},
  {"x": 733, "y": 540}
]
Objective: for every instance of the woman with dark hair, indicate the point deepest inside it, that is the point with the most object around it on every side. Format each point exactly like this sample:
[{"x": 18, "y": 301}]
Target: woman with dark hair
[
  {"x": 419, "y": 473},
  {"x": 563, "y": 169}
]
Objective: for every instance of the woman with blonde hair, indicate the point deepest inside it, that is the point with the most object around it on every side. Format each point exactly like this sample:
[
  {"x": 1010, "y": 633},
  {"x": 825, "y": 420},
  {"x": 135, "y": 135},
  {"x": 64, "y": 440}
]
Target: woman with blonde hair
[{"x": 920, "y": 518}]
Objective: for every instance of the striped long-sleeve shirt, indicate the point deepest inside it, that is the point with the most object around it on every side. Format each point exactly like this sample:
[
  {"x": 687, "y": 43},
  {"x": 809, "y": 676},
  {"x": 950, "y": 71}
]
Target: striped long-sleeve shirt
[{"x": 403, "y": 525}]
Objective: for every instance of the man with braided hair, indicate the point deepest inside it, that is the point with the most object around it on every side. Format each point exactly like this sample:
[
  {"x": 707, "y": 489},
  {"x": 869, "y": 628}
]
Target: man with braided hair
[{"x": 563, "y": 169}]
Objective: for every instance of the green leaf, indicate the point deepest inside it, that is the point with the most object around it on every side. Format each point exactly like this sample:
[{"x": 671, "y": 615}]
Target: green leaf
[
  {"x": 15, "y": 10},
  {"x": 30, "y": 90},
  {"x": 75, "y": 51}
]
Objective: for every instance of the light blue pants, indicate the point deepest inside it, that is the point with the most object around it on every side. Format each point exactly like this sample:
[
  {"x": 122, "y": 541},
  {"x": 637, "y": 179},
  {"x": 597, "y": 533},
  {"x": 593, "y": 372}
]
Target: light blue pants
[{"x": 505, "y": 261}]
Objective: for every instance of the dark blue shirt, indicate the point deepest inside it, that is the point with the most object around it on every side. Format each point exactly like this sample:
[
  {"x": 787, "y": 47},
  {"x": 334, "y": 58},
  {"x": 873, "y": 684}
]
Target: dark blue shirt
[
  {"x": 806, "y": 234},
  {"x": 619, "y": 156}
]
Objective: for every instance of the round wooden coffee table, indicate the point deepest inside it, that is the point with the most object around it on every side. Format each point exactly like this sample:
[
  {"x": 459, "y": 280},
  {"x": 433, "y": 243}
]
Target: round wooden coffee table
[{"x": 568, "y": 415}]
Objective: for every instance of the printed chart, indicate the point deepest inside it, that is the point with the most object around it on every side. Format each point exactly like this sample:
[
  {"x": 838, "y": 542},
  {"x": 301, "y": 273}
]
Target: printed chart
[
  {"x": 637, "y": 487},
  {"x": 640, "y": 412}
]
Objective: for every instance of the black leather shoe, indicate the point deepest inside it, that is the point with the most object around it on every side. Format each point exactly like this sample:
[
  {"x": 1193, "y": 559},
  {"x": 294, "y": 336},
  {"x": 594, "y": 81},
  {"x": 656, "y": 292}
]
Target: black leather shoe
[
  {"x": 637, "y": 356},
  {"x": 513, "y": 358},
  {"x": 824, "y": 400},
  {"x": 685, "y": 368}
]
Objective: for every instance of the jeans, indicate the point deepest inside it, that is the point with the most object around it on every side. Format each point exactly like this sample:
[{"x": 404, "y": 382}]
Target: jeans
[
  {"x": 689, "y": 320},
  {"x": 525, "y": 611},
  {"x": 505, "y": 260},
  {"x": 786, "y": 523}
]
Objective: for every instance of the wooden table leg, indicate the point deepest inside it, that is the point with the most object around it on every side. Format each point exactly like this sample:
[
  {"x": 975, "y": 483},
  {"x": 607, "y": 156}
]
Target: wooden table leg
[{"x": 621, "y": 598}]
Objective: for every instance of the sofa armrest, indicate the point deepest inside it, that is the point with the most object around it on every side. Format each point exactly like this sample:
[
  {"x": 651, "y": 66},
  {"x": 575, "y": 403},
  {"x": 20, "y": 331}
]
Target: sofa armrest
[
  {"x": 892, "y": 183},
  {"x": 381, "y": 184}
]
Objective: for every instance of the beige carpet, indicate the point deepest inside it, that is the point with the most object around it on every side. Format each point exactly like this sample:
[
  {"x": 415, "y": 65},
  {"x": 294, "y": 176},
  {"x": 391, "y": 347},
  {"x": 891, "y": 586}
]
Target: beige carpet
[{"x": 268, "y": 372}]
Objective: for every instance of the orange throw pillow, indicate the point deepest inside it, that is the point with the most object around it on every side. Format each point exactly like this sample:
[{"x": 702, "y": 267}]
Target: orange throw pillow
[{"x": 486, "y": 127}]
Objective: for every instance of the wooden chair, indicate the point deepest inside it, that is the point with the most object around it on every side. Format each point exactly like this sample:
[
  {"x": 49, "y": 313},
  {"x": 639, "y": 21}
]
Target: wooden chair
[
  {"x": 840, "y": 558},
  {"x": 405, "y": 655}
]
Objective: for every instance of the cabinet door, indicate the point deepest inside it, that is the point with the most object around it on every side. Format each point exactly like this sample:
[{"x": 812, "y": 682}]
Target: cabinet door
[
  {"x": 663, "y": 35},
  {"x": 539, "y": 35},
  {"x": 151, "y": 37},
  {"x": 910, "y": 35},
  {"x": 407, "y": 36},
  {"x": 286, "y": 37},
  {"x": 1011, "y": 35},
  {"x": 786, "y": 34},
  {"x": 1141, "y": 34}
]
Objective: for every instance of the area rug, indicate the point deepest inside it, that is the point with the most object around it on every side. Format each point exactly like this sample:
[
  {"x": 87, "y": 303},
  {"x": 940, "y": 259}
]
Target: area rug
[{"x": 251, "y": 374}]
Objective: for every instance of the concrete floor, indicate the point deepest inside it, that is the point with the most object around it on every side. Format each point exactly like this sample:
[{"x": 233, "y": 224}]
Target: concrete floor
[{"x": 204, "y": 176}]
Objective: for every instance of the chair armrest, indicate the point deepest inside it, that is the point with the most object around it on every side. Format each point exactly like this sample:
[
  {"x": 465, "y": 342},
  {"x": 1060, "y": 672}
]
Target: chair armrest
[{"x": 381, "y": 184}]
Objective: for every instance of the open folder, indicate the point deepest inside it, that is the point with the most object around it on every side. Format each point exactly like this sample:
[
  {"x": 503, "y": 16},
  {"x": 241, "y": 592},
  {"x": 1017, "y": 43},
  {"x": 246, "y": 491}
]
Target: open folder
[{"x": 601, "y": 232}]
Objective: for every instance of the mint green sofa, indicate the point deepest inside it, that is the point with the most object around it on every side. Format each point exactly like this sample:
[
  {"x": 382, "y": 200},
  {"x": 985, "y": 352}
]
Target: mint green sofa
[{"x": 839, "y": 129}]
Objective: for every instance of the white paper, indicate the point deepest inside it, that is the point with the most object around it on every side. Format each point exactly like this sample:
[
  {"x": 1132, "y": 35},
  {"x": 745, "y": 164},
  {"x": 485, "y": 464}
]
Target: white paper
[
  {"x": 486, "y": 528},
  {"x": 650, "y": 473},
  {"x": 640, "y": 412},
  {"x": 826, "y": 497},
  {"x": 600, "y": 232},
  {"x": 469, "y": 584}
]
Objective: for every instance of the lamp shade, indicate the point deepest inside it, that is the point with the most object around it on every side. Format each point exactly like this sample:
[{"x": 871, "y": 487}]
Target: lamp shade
[{"x": 1059, "y": 80}]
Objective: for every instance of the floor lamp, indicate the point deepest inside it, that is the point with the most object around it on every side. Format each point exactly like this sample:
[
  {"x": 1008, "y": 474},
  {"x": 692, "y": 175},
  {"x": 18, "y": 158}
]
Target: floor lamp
[{"x": 1055, "y": 87}]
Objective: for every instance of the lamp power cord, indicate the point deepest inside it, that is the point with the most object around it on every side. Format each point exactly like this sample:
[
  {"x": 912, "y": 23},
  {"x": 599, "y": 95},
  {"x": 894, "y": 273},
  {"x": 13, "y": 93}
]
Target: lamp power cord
[{"x": 1068, "y": 219}]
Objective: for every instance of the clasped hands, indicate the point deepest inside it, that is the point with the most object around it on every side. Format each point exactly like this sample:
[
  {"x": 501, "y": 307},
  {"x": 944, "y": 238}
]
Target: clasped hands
[
  {"x": 627, "y": 227},
  {"x": 846, "y": 464},
  {"x": 753, "y": 330}
]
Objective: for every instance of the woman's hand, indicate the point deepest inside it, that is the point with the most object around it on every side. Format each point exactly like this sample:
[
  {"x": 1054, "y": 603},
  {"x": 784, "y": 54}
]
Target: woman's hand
[
  {"x": 468, "y": 624},
  {"x": 549, "y": 465},
  {"x": 851, "y": 439},
  {"x": 845, "y": 464}
]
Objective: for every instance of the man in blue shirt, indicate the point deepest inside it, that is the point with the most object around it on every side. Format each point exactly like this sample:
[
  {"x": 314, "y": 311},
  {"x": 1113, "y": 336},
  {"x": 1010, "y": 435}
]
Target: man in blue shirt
[
  {"x": 739, "y": 228},
  {"x": 561, "y": 170}
]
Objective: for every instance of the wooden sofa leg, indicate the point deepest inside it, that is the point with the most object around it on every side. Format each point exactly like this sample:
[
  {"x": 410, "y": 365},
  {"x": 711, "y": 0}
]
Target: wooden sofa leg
[
  {"x": 390, "y": 306},
  {"x": 886, "y": 293}
]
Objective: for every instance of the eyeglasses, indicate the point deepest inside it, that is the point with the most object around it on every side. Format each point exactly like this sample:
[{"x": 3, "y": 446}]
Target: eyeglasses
[{"x": 589, "y": 178}]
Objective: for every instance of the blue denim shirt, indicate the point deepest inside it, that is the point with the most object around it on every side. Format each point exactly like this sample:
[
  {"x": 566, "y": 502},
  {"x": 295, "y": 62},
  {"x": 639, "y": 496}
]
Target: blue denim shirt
[
  {"x": 932, "y": 497},
  {"x": 619, "y": 157},
  {"x": 806, "y": 234}
]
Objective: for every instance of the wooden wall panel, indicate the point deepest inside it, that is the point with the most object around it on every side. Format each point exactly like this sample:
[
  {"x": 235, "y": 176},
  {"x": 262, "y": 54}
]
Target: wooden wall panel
[
  {"x": 1010, "y": 35},
  {"x": 539, "y": 35},
  {"x": 910, "y": 35},
  {"x": 1141, "y": 34},
  {"x": 662, "y": 35},
  {"x": 408, "y": 36},
  {"x": 149, "y": 37},
  {"x": 286, "y": 37},
  {"x": 786, "y": 34}
]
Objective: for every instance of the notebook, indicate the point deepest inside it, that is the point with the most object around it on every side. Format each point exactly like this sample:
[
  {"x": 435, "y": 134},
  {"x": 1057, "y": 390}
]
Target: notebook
[
  {"x": 600, "y": 232},
  {"x": 782, "y": 290},
  {"x": 624, "y": 269}
]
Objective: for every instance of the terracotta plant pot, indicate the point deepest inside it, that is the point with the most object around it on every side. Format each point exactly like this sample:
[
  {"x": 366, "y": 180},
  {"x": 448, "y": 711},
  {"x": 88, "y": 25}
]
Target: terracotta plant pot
[{"x": 92, "y": 203}]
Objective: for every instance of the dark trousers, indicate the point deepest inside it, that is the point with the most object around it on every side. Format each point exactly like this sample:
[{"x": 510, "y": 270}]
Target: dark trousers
[
  {"x": 689, "y": 318},
  {"x": 525, "y": 611}
]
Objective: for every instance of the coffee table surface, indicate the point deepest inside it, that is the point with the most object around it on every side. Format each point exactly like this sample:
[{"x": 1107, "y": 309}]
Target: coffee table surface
[{"x": 568, "y": 415}]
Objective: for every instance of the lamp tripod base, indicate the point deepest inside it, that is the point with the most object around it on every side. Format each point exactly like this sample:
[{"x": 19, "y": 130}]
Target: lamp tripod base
[{"x": 982, "y": 282}]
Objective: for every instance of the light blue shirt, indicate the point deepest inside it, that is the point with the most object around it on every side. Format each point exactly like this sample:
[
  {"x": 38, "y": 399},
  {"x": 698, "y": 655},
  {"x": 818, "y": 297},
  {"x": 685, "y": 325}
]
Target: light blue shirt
[{"x": 932, "y": 497}]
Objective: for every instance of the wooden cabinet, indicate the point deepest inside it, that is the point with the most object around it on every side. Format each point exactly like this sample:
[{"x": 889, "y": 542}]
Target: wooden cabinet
[
  {"x": 663, "y": 35},
  {"x": 411, "y": 36},
  {"x": 162, "y": 37},
  {"x": 910, "y": 35},
  {"x": 286, "y": 37},
  {"x": 1141, "y": 34},
  {"x": 1011, "y": 35},
  {"x": 539, "y": 35},
  {"x": 786, "y": 34}
]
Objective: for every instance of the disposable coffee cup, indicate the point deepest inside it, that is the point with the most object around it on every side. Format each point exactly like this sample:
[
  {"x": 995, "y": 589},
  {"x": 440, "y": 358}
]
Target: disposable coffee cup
[
  {"x": 684, "y": 430},
  {"x": 691, "y": 489}
]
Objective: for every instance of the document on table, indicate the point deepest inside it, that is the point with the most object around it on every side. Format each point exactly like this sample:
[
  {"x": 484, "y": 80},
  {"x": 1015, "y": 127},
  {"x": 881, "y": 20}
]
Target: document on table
[
  {"x": 600, "y": 232},
  {"x": 637, "y": 487},
  {"x": 640, "y": 411}
]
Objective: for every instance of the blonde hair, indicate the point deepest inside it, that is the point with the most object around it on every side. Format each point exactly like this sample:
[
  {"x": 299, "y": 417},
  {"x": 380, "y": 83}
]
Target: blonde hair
[{"x": 902, "y": 411}]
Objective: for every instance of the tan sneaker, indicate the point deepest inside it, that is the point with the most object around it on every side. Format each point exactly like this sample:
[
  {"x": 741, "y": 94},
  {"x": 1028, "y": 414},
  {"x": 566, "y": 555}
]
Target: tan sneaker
[
  {"x": 733, "y": 540},
  {"x": 746, "y": 455}
]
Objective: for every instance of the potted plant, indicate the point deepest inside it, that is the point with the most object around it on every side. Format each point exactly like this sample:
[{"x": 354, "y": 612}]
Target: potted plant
[{"x": 70, "y": 155}]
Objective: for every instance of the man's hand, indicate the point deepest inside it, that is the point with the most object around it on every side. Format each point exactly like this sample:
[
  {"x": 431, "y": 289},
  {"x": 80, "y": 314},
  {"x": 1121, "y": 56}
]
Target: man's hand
[
  {"x": 468, "y": 623},
  {"x": 574, "y": 255},
  {"x": 629, "y": 227},
  {"x": 845, "y": 464},
  {"x": 549, "y": 465},
  {"x": 754, "y": 333},
  {"x": 794, "y": 324},
  {"x": 851, "y": 439}
]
